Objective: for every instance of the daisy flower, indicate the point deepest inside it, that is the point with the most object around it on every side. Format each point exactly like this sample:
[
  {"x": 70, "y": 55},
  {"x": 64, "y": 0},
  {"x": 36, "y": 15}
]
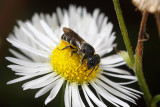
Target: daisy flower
[{"x": 38, "y": 57}]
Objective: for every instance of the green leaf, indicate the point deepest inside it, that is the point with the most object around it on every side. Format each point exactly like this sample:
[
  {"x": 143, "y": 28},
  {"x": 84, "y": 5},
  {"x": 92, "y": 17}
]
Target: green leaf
[
  {"x": 155, "y": 99},
  {"x": 126, "y": 58}
]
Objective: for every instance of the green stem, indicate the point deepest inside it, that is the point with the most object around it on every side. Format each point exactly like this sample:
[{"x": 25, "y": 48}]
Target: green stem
[
  {"x": 123, "y": 30},
  {"x": 141, "y": 80},
  {"x": 155, "y": 100},
  {"x": 138, "y": 62},
  {"x": 139, "y": 51}
]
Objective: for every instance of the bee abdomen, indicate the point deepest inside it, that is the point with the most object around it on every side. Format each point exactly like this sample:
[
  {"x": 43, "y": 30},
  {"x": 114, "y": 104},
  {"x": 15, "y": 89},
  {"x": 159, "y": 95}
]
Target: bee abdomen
[
  {"x": 63, "y": 37},
  {"x": 68, "y": 40}
]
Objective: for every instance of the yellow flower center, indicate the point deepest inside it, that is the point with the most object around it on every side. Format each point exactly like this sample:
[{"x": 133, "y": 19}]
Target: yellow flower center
[{"x": 69, "y": 66}]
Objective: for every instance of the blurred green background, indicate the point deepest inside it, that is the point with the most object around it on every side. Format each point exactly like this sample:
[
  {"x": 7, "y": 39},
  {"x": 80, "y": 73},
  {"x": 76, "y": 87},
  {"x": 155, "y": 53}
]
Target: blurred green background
[{"x": 13, "y": 10}]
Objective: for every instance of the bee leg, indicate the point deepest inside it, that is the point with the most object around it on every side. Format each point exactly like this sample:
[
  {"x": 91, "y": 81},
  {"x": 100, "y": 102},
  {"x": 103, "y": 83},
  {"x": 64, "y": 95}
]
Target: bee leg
[
  {"x": 81, "y": 63},
  {"x": 84, "y": 57},
  {"x": 67, "y": 47},
  {"x": 93, "y": 69},
  {"x": 97, "y": 68},
  {"x": 73, "y": 52}
]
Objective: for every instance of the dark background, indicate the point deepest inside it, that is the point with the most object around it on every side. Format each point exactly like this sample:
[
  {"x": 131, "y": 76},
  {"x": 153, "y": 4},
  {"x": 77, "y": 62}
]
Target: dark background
[{"x": 13, "y": 10}]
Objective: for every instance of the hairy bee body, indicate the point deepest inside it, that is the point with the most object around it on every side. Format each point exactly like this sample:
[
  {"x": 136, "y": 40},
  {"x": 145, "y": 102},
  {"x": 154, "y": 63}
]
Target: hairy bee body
[
  {"x": 73, "y": 38},
  {"x": 69, "y": 40},
  {"x": 85, "y": 50}
]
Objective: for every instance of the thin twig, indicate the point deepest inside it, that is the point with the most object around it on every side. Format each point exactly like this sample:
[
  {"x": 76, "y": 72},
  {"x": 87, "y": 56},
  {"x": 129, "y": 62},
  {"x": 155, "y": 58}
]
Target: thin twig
[
  {"x": 157, "y": 16},
  {"x": 138, "y": 61}
]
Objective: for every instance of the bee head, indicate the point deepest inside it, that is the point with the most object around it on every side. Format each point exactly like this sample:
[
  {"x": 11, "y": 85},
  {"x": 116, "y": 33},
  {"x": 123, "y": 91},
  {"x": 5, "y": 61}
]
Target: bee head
[{"x": 93, "y": 61}]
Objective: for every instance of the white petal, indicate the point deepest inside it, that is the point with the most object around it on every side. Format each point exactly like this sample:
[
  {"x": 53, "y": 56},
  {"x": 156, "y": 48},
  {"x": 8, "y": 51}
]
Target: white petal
[
  {"x": 96, "y": 13},
  {"x": 126, "y": 83},
  {"x": 87, "y": 98},
  {"x": 70, "y": 94},
  {"x": 100, "y": 19},
  {"x": 49, "y": 31},
  {"x": 66, "y": 96},
  {"x": 54, "y": 91},
  {"x": 27, "y": 76},
  {"x": 115, "y": 70},
  {"x": 44, "y": 39},
  {"x": 108, "y": 27},
  {"x": 103, "y": 25},
  {"x": 111, "y": 59},
  {"x": 105, "y": 51},
  {"x": 25, "y": 63},
  {"x": 112, "y": 99},
  {"x": 131, "y": 89},
  {"x": 32, "y": 83},
  {"x": 48, "y": 20},
  {"x": 99, "y": 96},
  {"x": 20, "y": 79},
  {"x": 59, "y": 15},
  {"x": 101, "y": 92},
  {"x": 25, "y": 73},
  {"x": 113, "y": 91},
  {"x": 18, "y": 55},
  {"x": 30, "y": 36},
  {"x": 92, "y": 96},
  {"x": 65, "y": 22},
  {"x": 104, "y": 37},
  {"x": 45, "y": 83},
  {"x": 24, "y": 69},
  {"x": 113, "y": 65},
  {"x": 76, "y": 100},
  {"x": 107, "y": 42},
  {"x": 46, "y": 88},
  {"x": 99, "y": 40},
  {"x": 111, "y": 38},
  {"x": 54, "y": 21},
  {"x": 23, "y": 46},
  {"x": 75, "y": 17},
  {"x": 28, "y": 55},
  {"x": 79, "y": 97},
  {"x": 121, "y": 76},
  {"x": 117, "y": 86}
]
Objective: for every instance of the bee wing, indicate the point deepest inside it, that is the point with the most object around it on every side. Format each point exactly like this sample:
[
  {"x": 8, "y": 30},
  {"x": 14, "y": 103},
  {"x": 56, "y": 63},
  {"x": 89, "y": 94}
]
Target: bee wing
[{"x": 73, "y": 35}]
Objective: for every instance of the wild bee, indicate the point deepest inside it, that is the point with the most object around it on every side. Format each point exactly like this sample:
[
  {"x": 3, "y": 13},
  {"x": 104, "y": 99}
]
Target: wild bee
[{"x": 80, "y": 46}]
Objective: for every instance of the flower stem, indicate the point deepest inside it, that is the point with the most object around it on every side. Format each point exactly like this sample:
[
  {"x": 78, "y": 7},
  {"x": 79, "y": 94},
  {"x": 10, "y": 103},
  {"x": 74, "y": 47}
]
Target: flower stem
[
  {"x": 139, "y": 51},
  {"x": 123, "y": 30},
  {"x": 138, "y": 62}
]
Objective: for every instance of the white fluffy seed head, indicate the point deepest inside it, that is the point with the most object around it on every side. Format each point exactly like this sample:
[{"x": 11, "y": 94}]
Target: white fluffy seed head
[{"x": 151, "y": 6}]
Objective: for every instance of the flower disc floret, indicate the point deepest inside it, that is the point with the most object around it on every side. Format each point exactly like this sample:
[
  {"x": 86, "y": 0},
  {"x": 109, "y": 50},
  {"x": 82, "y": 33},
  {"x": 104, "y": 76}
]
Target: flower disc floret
[{"x": 69, "y": 66}]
